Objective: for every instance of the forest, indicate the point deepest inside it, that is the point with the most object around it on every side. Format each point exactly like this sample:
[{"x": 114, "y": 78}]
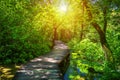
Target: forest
[{"x": 91, "y": 29}]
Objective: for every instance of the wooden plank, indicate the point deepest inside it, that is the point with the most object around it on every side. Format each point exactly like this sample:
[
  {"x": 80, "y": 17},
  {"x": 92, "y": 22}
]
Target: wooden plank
[{"x": 44, "y": 67}]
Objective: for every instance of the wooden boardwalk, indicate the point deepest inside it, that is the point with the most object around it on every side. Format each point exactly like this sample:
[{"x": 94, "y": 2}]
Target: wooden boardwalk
[{"x": 44, "y": 67}]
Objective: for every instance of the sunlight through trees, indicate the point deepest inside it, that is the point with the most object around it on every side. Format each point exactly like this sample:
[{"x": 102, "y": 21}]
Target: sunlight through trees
[
  {"x": 91, "y": 28},
  {"x": 63, "y": 7}
]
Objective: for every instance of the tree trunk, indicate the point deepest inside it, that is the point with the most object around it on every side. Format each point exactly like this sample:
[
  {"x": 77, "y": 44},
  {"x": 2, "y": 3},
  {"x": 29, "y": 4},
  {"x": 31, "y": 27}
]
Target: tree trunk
[
  {"x": 103, "y": 41},
  {"x": 54, "y": 35},
  {"x": 105, "y": 19},
  {"x": 107, "y": 51},
  {"x": 81, "y": 34},
  {"x": 82, "y": 25}
]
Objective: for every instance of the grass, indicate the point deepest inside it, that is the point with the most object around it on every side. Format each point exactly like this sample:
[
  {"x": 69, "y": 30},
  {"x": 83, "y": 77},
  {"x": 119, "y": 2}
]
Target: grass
[{"x": 7, "y": 72}]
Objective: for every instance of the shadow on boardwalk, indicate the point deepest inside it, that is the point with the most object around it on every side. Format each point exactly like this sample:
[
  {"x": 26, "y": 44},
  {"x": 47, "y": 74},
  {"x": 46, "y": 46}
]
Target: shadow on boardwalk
[{"x": 44, "y": 67}]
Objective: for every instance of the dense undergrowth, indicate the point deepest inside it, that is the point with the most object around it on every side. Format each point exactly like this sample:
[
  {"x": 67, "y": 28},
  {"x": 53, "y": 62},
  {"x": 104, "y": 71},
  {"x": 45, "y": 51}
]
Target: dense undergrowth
[
  {"x": 20, "y": 40},
  {"x": 88, "y": 63}
]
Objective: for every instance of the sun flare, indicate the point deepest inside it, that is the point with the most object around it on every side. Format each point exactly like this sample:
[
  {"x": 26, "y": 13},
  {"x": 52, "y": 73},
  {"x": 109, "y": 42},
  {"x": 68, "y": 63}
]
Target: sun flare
[{"x": 63, "y": 8}]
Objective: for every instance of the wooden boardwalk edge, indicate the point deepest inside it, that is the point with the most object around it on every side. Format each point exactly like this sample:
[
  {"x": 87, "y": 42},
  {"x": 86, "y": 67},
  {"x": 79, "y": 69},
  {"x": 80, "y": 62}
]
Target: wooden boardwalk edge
[{"x": 46, "y": 67}]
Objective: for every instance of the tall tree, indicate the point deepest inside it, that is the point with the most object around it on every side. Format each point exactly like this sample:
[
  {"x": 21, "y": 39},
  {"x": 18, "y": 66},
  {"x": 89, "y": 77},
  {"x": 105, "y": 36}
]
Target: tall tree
[{"x": 102, "y": 32}]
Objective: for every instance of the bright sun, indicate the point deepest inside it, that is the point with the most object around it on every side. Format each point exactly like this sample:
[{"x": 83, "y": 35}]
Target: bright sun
[{"x": 63, "y": 8}]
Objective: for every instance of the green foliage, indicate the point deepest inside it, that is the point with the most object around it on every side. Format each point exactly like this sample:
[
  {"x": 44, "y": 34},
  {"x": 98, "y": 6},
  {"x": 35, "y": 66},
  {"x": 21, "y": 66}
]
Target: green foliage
[
  {"x": 86, "y": 54},
  {"x": 20, "y": 41},
  {"x": 27, "y": 31},
  {"x": 110, "y": 74},
  {"x": 87, "y": 50},
  {"x": 113, "y": 36}
]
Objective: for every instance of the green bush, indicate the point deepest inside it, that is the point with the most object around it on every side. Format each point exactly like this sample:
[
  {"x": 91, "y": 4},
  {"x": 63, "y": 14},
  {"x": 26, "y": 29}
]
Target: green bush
[
  {"x": 20, "y": 41},
  {"x": 86, "y": 54}
]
